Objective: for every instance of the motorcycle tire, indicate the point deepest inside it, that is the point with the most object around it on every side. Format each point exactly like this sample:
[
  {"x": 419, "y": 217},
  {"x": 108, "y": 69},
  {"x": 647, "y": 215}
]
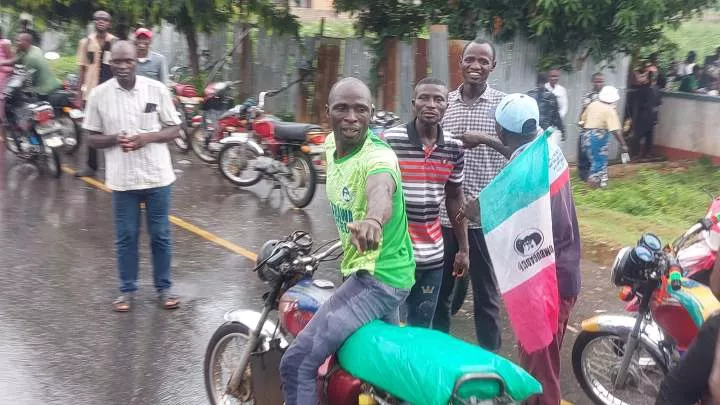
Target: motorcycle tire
[
  {"x": 311, "y": 178},
  {"x": 459, "y": 293},
  {"x": 73, "y": 126},
  {"x": 223, "y": 157},
  {"x": 579, "y": 348},
  {"x": 221, "y": 334},
  {"x": 50, "y": 163},
  {"x": 197, "y": 143}
]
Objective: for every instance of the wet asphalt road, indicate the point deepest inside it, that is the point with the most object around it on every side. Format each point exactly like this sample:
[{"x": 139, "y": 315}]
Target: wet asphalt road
[{"x": 60, "y": 343}]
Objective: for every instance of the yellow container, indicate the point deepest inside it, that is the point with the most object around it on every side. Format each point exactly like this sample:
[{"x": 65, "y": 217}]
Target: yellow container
[{"x": 366, "y": 399}]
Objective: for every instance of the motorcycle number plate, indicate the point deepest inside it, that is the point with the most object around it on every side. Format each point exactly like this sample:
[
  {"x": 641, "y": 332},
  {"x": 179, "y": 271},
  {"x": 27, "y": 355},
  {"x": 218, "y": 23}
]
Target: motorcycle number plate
[
  {"x": 53, "y": 142},
  {"x": 317, "y": 149}
]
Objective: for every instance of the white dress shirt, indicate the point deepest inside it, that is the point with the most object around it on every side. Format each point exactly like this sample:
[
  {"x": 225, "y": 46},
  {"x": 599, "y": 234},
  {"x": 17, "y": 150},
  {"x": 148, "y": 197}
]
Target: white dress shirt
[{"x": 561, "y": 93}]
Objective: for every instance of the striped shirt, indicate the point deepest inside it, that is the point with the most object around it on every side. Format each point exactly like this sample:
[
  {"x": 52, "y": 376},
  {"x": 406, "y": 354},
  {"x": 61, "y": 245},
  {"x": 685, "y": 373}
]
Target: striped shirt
[
  {"x": 146, "y": 108},
  {"x": 425, "y": 172},
  {"x": 482, "y": 163}
]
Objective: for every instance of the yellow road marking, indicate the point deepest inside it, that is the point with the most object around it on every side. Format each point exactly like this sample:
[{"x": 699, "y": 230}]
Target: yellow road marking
[{"x": 180, "y": 223}]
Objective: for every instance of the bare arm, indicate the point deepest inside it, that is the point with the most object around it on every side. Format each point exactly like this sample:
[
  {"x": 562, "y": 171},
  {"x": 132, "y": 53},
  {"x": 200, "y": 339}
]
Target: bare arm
[
  {"x": 367, "y": 232},
  {"x": 98, "y": 140},
  {"x": 473, "y": 139},
  {"x": 455, "y": 198}
]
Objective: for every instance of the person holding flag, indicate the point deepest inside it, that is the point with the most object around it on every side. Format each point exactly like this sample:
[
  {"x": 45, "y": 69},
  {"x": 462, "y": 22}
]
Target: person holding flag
[{"x": 533, "y": 237}]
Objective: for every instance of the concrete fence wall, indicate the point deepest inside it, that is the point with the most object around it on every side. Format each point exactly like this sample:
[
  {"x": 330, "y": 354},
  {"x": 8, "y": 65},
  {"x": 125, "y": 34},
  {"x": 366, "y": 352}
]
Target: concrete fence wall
[{"x": 688, "y": 126}]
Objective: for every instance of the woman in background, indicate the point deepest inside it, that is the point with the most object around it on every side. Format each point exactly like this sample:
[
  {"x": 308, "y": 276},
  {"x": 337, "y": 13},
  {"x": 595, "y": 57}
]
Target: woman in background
[{"x": 6, "y": 53}]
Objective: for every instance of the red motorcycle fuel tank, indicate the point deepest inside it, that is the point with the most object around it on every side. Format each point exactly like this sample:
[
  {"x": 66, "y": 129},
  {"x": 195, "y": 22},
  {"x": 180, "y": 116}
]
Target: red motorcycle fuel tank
[{"x": 298, "y": 305}]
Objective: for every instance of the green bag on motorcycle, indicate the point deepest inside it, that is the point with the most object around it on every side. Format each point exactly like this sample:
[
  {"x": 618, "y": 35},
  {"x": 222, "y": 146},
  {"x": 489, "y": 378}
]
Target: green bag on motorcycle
[{"x": 421, "y": 366}]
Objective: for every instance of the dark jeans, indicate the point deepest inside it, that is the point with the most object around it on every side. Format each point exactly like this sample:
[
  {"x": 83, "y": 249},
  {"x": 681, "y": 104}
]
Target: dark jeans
[
  {"x": 687, "y": 383},
  {"x": 422, "y": 301},
  {"x": 583, "y": 162},
  {"x": 359, "y": 300},
  {"x": 126, "y": 208},
  {"x": 486, "y": 299}
]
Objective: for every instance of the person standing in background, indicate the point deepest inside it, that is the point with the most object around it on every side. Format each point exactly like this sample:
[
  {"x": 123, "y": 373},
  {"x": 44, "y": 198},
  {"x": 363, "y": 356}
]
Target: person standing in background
[
  {"x": 25, "y": 20},
  {"x": 548, "y": 105},
  {"x": 93, "y": 58},
  {"x": 150, "y": 64},
  {"x": 470, "y": 112},
  {"x": 583, "y": 164},
  {"x": 554, "y": 86}
]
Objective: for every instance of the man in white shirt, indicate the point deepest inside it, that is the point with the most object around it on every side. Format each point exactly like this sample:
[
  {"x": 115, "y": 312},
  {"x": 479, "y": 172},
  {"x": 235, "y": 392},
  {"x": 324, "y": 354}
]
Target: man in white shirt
[
  {"x": 132, "y": 118},
  {"x": 560, "y": 92}
]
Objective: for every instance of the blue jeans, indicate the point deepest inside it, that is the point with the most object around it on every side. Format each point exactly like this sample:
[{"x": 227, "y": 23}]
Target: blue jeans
[
  {"x": 126, "y": 208},
  {"x": 360, "y": 299},
  {"x": 423, "y": 297}
]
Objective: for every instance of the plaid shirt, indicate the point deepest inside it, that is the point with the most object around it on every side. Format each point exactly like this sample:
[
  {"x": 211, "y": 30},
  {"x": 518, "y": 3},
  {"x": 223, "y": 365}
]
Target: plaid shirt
[{"x": 483, "y": 163}]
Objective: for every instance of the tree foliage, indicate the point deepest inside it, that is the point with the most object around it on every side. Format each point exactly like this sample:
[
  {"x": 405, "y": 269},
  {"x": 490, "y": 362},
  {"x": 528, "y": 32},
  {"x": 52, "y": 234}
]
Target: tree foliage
[{"x": 561, "y": 28}]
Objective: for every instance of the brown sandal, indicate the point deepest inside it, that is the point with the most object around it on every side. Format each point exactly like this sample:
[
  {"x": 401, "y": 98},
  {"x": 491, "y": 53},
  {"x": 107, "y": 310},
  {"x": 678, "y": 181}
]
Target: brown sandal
[
  {"x": 123, "y": 303},
  {"x": 168, "y": 300}
]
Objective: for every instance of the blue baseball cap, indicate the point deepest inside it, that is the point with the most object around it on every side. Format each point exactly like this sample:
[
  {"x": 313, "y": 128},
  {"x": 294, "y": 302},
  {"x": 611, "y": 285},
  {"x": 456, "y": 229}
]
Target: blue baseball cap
[{"x": 518, "y": 113}]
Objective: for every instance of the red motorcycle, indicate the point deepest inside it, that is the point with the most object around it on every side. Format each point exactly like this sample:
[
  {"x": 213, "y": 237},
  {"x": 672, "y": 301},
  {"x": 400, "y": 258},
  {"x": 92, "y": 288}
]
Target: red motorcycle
[
  {"x": 187, "y": 104},
  {"x": 207, "y": 129},
  {"x": 255, "y": 146},
  {"x": 379, "y": 364}
]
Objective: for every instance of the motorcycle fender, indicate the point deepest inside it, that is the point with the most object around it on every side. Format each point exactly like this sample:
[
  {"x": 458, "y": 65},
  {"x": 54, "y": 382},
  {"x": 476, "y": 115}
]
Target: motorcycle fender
[
  {"x": 251, "y": 318},
  {"x": 242, "y": 138},
  {"x": 622, "y": 325}
]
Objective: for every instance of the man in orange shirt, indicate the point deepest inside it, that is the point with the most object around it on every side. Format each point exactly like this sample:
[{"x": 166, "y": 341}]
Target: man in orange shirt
[{"x": 94, "y": 60}]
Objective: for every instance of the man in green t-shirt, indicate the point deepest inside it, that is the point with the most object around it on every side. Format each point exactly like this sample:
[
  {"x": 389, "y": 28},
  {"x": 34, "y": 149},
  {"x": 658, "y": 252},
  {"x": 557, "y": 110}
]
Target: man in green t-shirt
[
  {"x": 44, "y": 80},
  {"x": 366, "y": 198}
]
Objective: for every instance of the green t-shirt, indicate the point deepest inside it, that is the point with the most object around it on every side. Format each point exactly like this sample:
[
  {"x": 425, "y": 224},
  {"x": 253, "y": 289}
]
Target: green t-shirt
[
  {"x": 44, "y": 80},
  {"x": 393, "y": 262}
]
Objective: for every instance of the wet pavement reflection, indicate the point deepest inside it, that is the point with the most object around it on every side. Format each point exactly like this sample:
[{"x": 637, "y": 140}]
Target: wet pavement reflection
[{"x": 60, "y": 343}]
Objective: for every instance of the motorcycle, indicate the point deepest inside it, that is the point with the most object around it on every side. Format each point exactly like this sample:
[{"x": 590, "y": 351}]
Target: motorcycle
[
  {"x": 68, "y": 109},
  {"x": 262, "y": 147},
  {"x": 207, "y": 131},
  {"x": 187, "y": 104},
  {"x": 250, "y": 345},
  {"x": 623, "y": 359},
  {"x": 381, "y": 121},
  {"x": 33, "y": 134}
]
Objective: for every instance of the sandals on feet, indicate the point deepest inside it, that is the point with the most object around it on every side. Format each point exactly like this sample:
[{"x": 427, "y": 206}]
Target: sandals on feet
[
  {"x": 168, "y": 300},
  {"x": 123, "y": 303}
]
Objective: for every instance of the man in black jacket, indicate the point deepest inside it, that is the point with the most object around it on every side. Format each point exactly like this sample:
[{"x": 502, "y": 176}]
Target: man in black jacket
[{"x": 548, "y": 105}]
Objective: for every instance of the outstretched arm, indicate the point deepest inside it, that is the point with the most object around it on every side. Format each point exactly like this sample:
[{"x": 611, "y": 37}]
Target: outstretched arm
[{"x": 367, "y": 232}]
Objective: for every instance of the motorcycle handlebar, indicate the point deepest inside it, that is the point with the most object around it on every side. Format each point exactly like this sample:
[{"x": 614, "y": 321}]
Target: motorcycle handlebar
[{"x": 317, "y": 257}]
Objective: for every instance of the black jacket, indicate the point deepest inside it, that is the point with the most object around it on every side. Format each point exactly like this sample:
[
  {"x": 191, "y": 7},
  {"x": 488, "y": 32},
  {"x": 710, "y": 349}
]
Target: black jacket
[{"x": 549, "y": 109}]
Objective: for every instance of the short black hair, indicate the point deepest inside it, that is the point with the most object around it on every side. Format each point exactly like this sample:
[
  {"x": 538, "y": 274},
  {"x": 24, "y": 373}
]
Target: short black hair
[
  {"x": 542, "y": 78},
  {"x": 430, "y": 80},
  {"x": 480, "y": 41},
  {"x": 530, "y": 128}
]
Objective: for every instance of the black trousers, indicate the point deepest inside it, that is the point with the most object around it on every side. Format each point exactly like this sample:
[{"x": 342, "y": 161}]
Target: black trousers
[
  {"x": 687, "y": 383},
  {"x": 486, "y": 298}
]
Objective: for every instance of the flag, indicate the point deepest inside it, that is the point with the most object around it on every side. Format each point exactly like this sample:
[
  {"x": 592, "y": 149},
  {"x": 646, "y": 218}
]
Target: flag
[{"x": 517, "y": 224}]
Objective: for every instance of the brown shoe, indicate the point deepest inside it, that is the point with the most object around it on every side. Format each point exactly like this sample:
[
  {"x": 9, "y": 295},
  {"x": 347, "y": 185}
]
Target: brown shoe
[
  {"x": 168, "y": 300},
  {"x": 123, "y": 303}
]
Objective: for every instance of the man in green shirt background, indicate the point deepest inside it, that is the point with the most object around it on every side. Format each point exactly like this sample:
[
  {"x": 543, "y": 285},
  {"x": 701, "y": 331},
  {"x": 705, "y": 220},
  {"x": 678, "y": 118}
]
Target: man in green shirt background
[
  {"x": 365, "y": 193},
  {"x": 44, "y": 80}
]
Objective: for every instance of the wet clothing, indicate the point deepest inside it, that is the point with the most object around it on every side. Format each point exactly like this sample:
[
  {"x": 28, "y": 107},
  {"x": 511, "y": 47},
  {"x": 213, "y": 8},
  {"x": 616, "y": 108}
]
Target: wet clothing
[{"x": 347, "y": 176}]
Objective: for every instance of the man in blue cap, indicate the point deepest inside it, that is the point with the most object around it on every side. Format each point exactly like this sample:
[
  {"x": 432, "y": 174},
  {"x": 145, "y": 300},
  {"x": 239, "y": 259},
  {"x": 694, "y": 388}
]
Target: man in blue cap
[{"x": 517, "y": 117}]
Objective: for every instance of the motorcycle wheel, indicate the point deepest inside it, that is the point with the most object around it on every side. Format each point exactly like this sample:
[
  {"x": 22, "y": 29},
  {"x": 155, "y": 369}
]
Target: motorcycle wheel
[
  {"x": 235, "y": 158},
  {"x": 70, "y": 129},
  {"x": 197, "y": 143},
  {"x": 182, "y": 142},
  {"x": 216, "y": 378},
  {"x": 596, "y": 371},
  {"x": 301, "y": 180},
  {"x": 50, "y": 162},
  {"x": 459, "y": 293}
]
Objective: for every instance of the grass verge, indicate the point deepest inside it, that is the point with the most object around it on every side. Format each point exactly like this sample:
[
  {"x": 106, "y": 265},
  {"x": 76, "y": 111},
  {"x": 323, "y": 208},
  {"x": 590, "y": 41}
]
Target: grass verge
[{"x": 665, "y": 200}]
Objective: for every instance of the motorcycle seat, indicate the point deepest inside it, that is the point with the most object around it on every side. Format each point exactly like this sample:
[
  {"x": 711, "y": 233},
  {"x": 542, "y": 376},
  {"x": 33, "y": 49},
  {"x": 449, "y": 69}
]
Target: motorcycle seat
[
  {"x": 293, "y": 131},
  {"x": 425, "y": 367}
]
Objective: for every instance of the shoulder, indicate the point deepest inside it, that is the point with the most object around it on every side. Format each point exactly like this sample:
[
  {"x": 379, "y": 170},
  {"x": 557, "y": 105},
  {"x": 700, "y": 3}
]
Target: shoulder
[
  {"x": 495, "y": 96},
  {"x": 157, "y": 56},
  {"x": 150, "y": 84},
  {"x": 101, "y": 90},
  {"x": 396, "y": 134}
]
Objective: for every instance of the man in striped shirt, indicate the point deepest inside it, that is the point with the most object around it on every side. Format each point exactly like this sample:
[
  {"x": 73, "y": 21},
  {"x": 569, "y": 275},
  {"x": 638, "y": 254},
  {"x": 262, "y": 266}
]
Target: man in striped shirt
[
  {"x": 431, "y": 164},
  {"x": 133, "y": 118}
]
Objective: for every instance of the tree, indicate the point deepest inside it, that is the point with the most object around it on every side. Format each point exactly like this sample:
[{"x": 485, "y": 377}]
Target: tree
[{"x": 598, "y": 28}]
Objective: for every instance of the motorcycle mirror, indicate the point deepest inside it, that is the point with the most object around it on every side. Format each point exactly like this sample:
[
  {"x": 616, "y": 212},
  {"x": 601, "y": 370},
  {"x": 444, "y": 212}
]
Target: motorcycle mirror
[{"x": 52, "y": 55}]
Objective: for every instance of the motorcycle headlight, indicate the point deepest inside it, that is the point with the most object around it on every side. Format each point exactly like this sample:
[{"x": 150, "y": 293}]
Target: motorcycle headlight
[
  {"x": 267, "y": 272},
  {"x": 631, "y": 264}
]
